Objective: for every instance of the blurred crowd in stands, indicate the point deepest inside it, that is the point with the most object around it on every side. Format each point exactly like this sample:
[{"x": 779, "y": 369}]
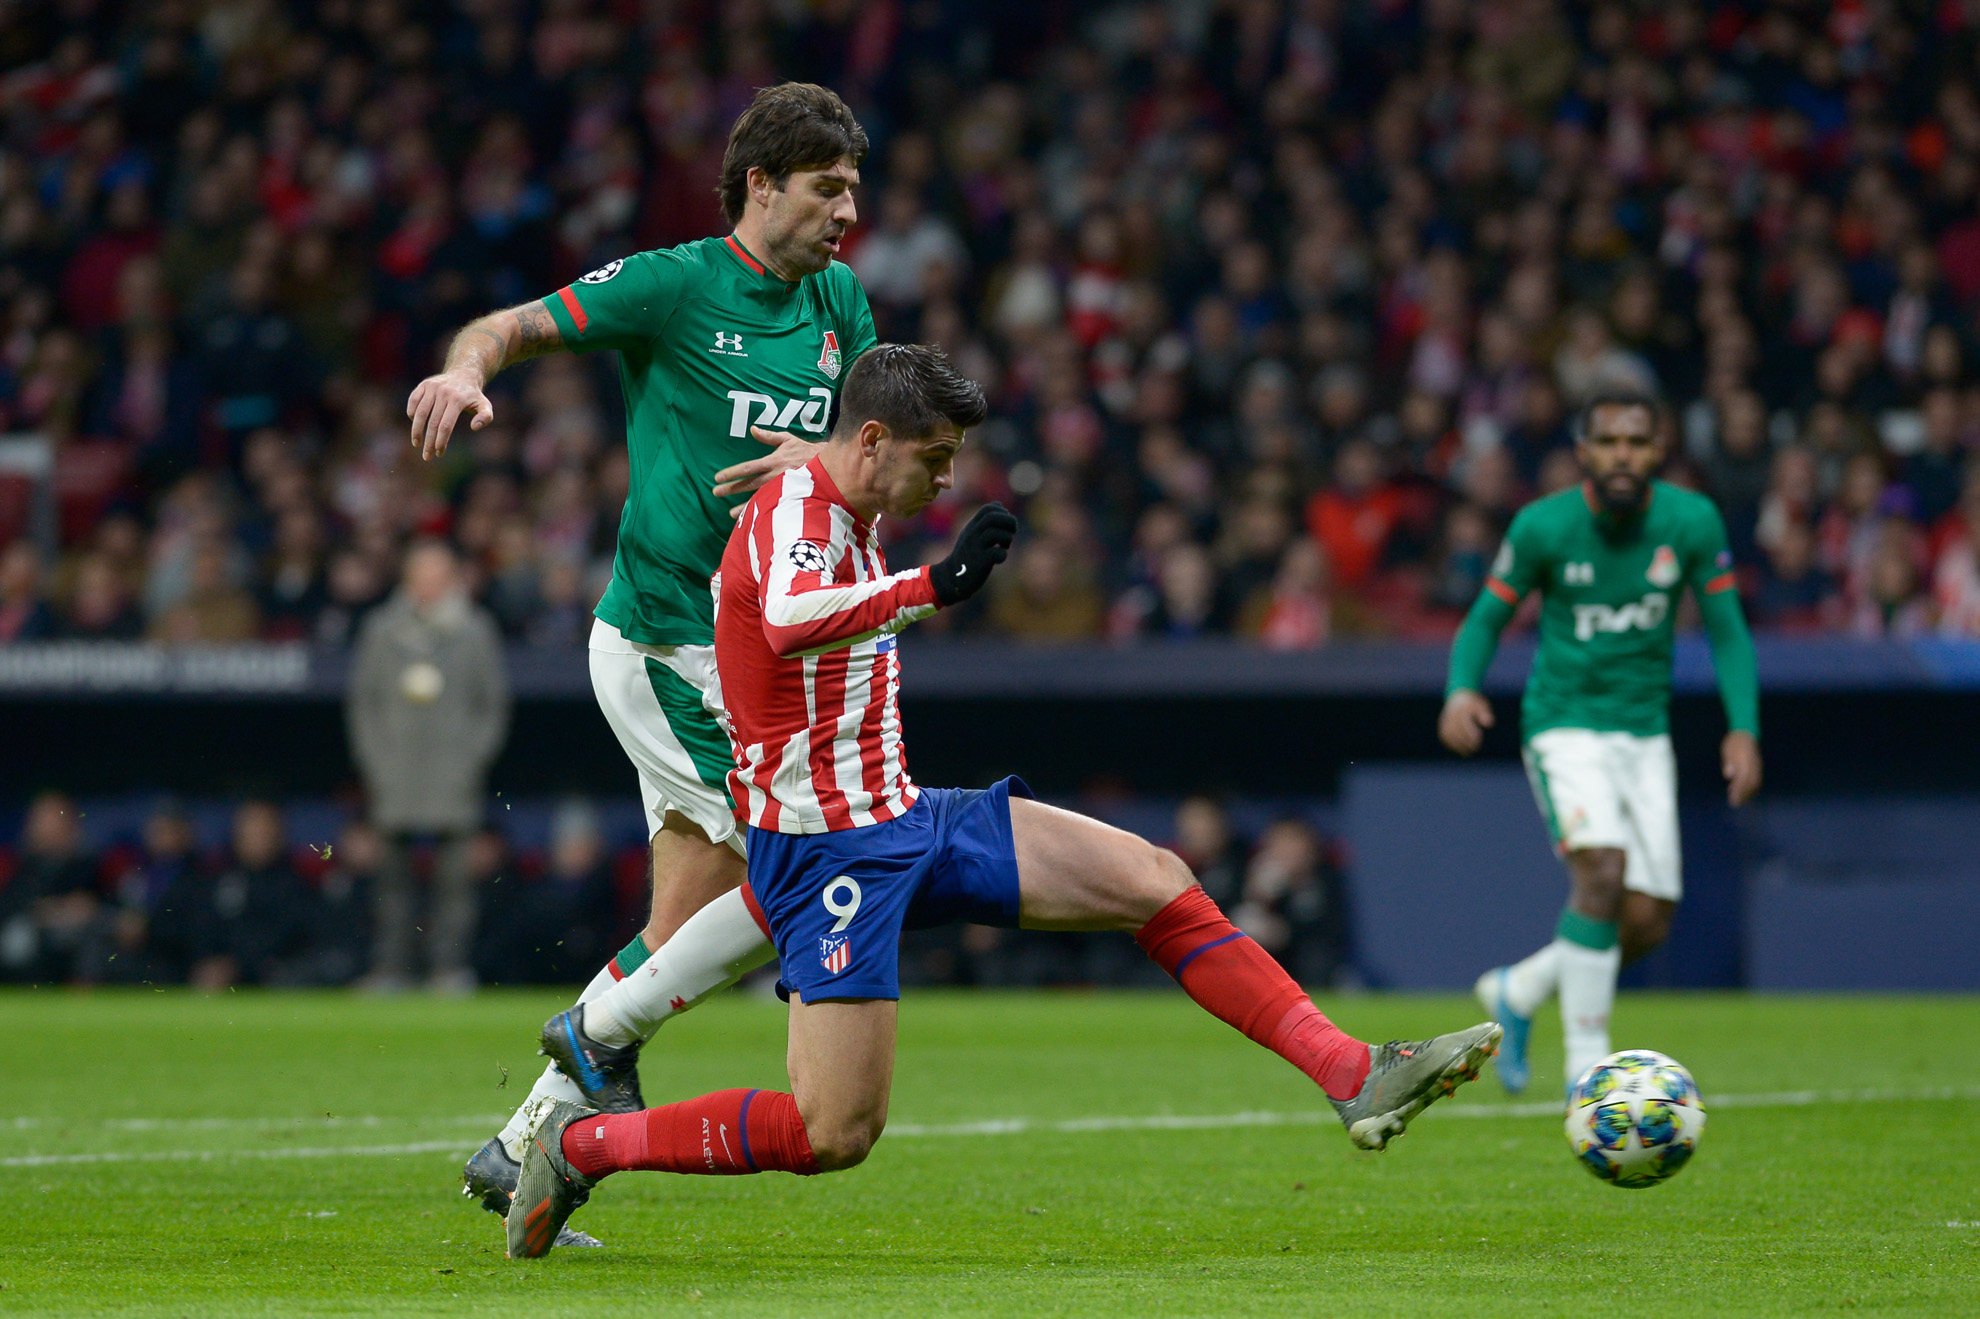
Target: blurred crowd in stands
[
  {"x": 151, "y": 901},
  {"x": 1283, "y": 305}
]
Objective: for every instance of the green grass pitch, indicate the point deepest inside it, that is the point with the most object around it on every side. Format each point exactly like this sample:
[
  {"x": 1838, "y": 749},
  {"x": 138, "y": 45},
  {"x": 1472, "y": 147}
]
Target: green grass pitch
[{"x": 164, "y": 1154}]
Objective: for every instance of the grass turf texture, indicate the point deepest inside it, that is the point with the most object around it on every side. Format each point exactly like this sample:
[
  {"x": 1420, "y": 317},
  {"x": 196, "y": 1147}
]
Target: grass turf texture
[{"x": 1865, "y": 1207}]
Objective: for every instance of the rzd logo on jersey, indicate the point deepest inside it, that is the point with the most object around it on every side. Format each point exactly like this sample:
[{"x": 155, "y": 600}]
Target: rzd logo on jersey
[
  {"x": 761, "y": 410},
  {"x": 835, "y": 952},
  {"x": 828, "y": 359},
  {"x": 1642, "y": 615}
]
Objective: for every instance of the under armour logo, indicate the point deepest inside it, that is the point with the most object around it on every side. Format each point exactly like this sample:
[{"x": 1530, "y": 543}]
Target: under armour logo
[{"x": 727, "y": 343}]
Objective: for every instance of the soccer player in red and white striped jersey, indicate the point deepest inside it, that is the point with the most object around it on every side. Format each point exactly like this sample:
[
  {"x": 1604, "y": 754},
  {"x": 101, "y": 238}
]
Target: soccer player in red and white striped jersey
[
  {"x": 845, "y": 851},
  {"x": 815, "y": 722}
]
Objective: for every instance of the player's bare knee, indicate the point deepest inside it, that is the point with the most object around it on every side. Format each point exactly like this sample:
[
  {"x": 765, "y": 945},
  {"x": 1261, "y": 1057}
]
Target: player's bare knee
[
  {"x": 1643, "y": 933},
  {"x": 1161, "y": 878},
  {"x": 838, "y": 1145}
]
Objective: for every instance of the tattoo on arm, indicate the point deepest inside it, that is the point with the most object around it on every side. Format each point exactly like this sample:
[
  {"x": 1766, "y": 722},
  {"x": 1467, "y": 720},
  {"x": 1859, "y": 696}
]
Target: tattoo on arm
[
  {"x": 487, "y": 343},
  {"x": 537, "y": 330}
]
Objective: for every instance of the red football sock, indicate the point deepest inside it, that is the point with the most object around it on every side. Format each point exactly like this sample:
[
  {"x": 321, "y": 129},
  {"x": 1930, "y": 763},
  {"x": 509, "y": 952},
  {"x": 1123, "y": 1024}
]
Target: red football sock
[
  {"x": 1237, "y": 982},
  {"x": 730, "y": 1131}
]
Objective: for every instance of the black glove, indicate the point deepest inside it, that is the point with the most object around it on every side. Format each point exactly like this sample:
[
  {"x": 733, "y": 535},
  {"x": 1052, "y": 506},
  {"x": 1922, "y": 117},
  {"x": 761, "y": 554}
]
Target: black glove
[{"x": 984, "y": 543}]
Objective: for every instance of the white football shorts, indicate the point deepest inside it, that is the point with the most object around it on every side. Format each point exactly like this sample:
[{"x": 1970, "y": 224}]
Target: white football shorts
[
  {"x": 665, "y": 705},
  {"x": 1611, "y": 790}
]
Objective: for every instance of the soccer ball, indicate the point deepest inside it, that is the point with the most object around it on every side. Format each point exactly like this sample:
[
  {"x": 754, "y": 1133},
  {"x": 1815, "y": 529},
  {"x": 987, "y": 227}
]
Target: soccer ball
[{"x": 1634, "y": 1118}]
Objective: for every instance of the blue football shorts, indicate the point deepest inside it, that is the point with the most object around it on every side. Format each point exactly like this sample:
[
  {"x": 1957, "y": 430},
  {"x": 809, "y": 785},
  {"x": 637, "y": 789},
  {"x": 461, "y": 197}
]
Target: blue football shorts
[{"x": 837, "y": 902}]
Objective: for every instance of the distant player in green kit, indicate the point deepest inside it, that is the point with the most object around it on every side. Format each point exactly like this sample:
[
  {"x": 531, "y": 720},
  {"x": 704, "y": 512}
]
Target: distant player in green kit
[
  {"x": 1609, "y": 559},
  {"x": 725, "y": 345}
]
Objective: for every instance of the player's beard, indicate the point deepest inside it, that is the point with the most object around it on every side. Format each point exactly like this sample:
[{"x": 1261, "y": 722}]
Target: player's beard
[
  {"x": 800, "y": 255},
  {"x": 1621, "y": 503}
]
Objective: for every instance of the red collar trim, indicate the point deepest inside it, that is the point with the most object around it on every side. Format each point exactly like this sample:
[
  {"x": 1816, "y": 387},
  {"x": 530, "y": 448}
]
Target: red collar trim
[{"x": 742, "y": 255}]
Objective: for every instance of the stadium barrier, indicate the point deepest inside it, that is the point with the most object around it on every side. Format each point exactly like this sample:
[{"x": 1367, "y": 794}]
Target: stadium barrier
[{"x": 992, "y": 669}]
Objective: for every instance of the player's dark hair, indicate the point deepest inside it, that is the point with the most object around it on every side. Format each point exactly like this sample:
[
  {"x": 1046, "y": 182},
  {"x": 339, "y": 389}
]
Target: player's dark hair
[
  {"x": 787, "y": 128},
  {"x": 1616, "y": 397},
  {"x": 910, "y": 389}
]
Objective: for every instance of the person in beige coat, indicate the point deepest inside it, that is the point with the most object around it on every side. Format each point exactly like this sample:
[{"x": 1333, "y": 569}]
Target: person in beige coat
[{"x": 428, "y": 711}]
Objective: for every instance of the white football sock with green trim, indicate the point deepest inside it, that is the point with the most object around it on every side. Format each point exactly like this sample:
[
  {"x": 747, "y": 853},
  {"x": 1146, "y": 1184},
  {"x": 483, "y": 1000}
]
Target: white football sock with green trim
[
  {"x": 1531, "y": 981},
  {"x": 713, "y": 949}
]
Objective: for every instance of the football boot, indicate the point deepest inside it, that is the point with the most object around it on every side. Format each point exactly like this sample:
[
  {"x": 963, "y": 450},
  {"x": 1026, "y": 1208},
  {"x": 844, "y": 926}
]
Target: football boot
[
  {"x": 548, "y": 1188},
  {"x": 1511, "y": 1065},
  {"x": 1404, "y": 1078},
  {"x": 490, "y": 1177},
  {"x": 608, "y": 1074}
]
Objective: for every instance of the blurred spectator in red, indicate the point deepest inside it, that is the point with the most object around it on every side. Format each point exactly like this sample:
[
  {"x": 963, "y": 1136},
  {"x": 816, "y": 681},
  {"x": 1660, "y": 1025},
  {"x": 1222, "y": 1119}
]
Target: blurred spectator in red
[
  {"x": 1298, "y": 612},
  {"x": 1353, "y": 518}
]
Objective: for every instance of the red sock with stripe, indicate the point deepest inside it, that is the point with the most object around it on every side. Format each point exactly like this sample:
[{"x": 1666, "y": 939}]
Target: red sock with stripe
[
  {"x": 720, "y": 1134},
  {"x": 1238, "y": 982}
]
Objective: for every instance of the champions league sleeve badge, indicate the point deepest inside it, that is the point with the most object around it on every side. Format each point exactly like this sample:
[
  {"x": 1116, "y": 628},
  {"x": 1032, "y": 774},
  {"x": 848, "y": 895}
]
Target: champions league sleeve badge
[
  {"x": 806, "y": 556},
  {"x": 603, "y": 273}
]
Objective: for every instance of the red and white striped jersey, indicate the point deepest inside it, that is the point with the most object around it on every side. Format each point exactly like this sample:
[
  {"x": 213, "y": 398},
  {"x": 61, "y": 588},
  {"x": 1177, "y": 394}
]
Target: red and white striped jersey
[{"x": 805, "y": 617}]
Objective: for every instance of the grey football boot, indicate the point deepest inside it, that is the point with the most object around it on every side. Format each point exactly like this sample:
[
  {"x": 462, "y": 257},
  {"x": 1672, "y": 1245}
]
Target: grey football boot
[
  {"x": 608, "y": 1074},
  {"x": 1406, "y": 1077},
  {"x": 490, "y": 1177},
  {"x": 548, "y": 1189}
]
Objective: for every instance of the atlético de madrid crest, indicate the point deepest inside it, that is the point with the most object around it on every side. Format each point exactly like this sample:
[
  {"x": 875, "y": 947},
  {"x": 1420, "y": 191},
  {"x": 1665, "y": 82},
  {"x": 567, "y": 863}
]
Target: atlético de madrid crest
[
  {"x": 1663, "y": 570},
  {"x": 835, "y": 953},
  {"x": 828, "y": 360}
]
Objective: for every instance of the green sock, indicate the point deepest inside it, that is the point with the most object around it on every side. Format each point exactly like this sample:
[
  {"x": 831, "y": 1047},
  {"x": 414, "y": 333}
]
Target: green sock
[
  {"x": 1585, "y": 931},
  {"x": 634, "y": 955}
]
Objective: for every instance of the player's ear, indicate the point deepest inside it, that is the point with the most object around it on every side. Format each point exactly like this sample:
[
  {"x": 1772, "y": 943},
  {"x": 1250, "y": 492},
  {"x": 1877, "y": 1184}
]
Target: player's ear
[
  {"x": 870, "y": 435},
  {"x": 760, "y": 184}
]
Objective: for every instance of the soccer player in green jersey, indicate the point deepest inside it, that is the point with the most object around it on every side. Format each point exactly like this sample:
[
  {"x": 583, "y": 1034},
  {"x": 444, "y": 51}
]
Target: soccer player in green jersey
[
  {"x": 1608, "y": 558},
  {"x": 724, "y": 345}
]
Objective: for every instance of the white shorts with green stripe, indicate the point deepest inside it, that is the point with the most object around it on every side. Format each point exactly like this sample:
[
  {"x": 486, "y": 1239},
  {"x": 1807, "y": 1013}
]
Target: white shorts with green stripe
[
  {"x": 665, "y": 704},
  {"x": 1611, "y": 790}
]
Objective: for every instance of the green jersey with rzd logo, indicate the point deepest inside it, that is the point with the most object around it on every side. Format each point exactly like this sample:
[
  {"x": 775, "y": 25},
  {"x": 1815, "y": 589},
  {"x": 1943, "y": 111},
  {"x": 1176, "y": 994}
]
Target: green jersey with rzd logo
[
  {"x": 710, "y": 344},
  {"x": 1609, "y": 591}
]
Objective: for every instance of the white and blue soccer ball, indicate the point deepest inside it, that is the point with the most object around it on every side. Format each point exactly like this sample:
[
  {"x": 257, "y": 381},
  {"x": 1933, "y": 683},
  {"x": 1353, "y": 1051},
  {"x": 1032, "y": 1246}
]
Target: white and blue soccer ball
[{"x": 1634, "y": 1118}]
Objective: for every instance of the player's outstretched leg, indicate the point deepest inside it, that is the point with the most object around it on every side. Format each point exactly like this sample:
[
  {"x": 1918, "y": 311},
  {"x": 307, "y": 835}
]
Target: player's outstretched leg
[
  {"x": 841, "y": 1065},
  {"x": 596, "y": 1044},
  {"x": 1076, "y": 873}
]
